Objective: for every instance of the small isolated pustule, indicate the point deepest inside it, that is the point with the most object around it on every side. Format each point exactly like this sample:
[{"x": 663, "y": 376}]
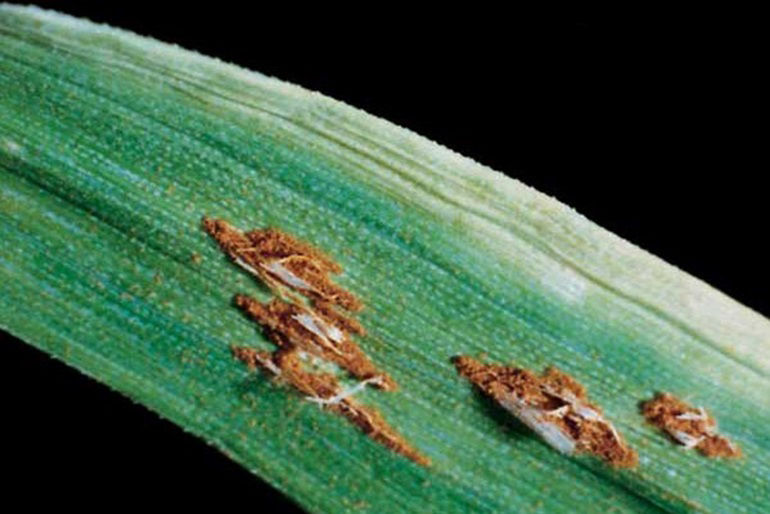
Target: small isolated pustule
[
  {"x": 555, "y": 406},
  {"x": 292, "y": 325},
  {"x": 692, "y": 427},
  {"x": 282, "y": 261},
  {"x": 325, "y": 390}
]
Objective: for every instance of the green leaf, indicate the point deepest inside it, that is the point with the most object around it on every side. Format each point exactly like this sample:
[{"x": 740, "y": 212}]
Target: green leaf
[{"x": 112, "y": 148}]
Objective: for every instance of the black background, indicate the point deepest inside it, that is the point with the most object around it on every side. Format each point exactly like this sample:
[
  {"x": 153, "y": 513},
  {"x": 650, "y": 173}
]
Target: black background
[{"x": 647, "y": 123}]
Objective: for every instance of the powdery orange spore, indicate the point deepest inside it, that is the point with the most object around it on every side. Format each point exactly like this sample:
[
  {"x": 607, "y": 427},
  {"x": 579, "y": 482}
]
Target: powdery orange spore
[
  {"x": 290, "y": 267},
  {"x": 287, "y": 367},
  {"x": 557, "y": 400},
  {"x": 281, "y": 320},
  {"x": 282, "y": 261},
  {"x": 689, "y": 426}
]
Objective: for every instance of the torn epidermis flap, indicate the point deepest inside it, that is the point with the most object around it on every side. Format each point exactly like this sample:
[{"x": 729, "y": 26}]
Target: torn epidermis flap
[
  {"x": 322, "y": 333},
  {"x": 282, "y": 273},
  {"x": 297, "y": 326},
  {"x": 686, "y": 439},
  {"x": 692, "y": 427},
  {"x": 326, "y": 390},
  {"x": 283, "y": 263},
  {"x": 694, "y": 416},
  {"x": 554, "y": 406},
  {"x": 299, "y": 368},
  {"x": 309, "y": 330},
  {"x": 347, "y": 392},
  {"x": 536, "y": 419},
  {"x": 274, "y": 274},
  {"x": 548, "y": 423},
  {"x": 299, "y": 273},
  {"x": 267, "y": 251},
  {"x": 319, "y": 327},
  {"x": 273, "y": 244}
]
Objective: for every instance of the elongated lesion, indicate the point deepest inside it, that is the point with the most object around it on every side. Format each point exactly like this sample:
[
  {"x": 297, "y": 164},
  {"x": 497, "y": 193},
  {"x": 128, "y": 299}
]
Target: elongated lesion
[
  {"x": 291, "y": 325},
  {"x": 283, "y": 263},
  {"x": 691, "y": 427},
  {"x": 309, "y": 319},
  {"x": 555, "y": 406},
  {"x": 286, "y": 365}
]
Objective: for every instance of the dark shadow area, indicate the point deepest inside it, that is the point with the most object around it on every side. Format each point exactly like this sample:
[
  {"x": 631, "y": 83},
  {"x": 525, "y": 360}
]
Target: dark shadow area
[{"x": 71, "y": 439}]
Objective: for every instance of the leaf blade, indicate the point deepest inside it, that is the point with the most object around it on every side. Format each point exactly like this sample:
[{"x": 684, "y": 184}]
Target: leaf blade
[{"x": 160, "y": 144}]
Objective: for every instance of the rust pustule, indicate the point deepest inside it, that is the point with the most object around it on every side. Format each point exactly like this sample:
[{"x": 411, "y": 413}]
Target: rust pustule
[
  {"x": 281, "y": 261},
  {"x": 291, "y": 325},
  {"x": 324, "y": 389},
  {"x": 305, "y": 321},
  {"x": 555, "y": 406},
  {"x": 691, "y": 427}
]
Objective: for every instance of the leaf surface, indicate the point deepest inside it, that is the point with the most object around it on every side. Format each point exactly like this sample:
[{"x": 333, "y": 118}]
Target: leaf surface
[{"x": 112, "y": 148}]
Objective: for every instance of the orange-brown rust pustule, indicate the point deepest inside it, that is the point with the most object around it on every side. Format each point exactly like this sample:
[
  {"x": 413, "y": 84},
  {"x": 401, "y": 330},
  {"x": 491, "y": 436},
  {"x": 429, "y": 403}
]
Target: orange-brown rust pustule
[
  {"x": 289, "y": 324},
  {"x": 282, "y": 261},
  {"x": 286, "y": 364},
  {"x": 689, "y": 426},
  {"x": 309, "y": 326},
  {"x": 325, "y": 389},
  {"x": 555, "y": 406}
]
